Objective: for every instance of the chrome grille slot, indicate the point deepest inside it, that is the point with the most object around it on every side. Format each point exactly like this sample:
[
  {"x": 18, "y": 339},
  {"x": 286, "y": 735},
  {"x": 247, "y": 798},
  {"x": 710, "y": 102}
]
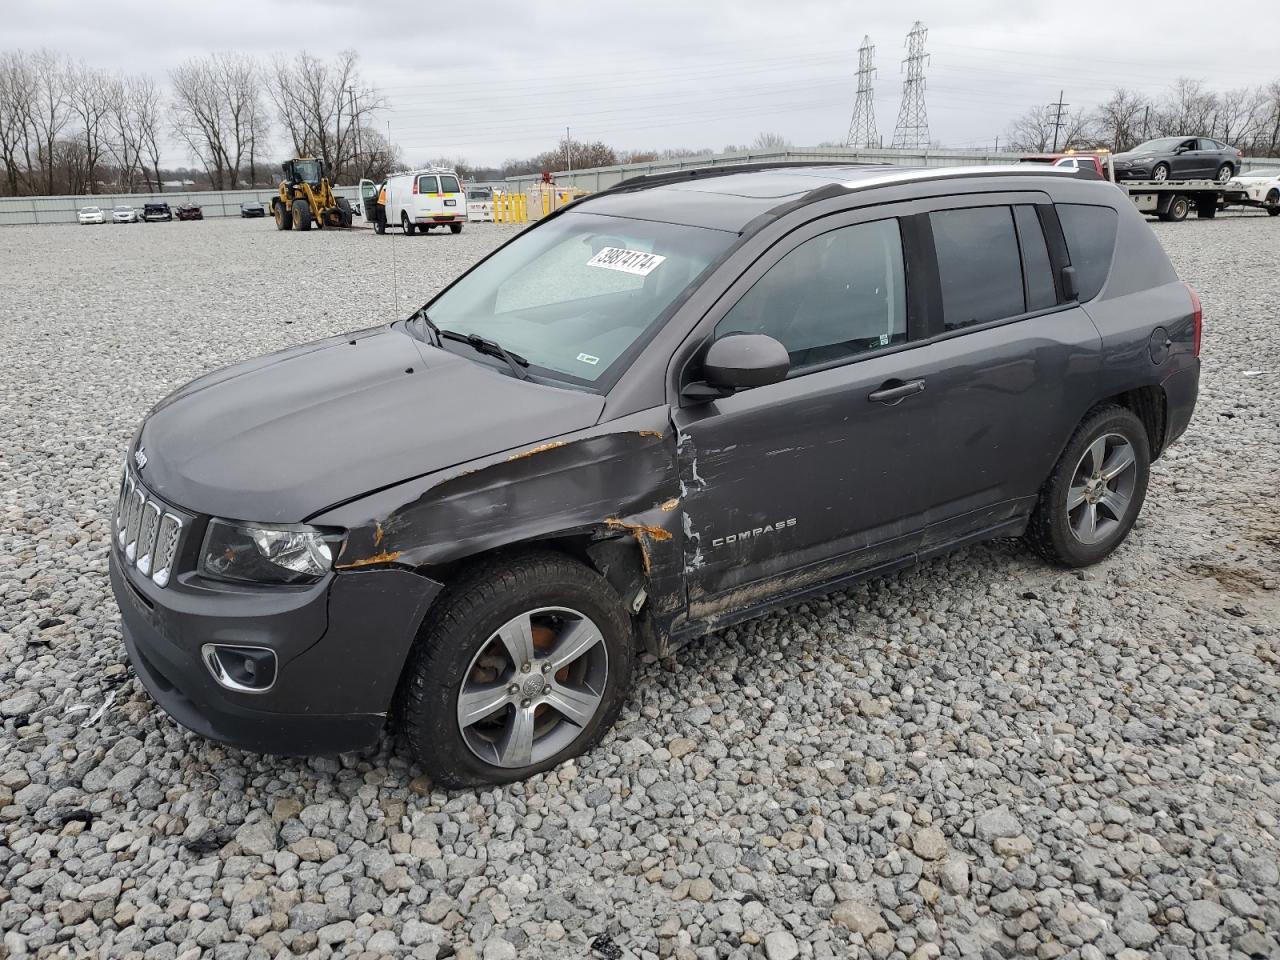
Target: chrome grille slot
[
  {"x": 147, "y": 530},
  {"x": 147, "y": 536},
  {"x": 166, "y": 548},
  {"x": 136, "y": 500}
]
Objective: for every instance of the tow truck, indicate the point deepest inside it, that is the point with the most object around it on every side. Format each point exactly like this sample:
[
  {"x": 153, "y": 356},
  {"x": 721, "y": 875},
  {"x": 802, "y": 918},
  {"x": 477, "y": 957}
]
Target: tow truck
[{"x": 1169, "y": 200}]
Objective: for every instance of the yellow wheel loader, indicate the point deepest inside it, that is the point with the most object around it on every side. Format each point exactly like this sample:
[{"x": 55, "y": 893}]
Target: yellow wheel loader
[{"x": 306, "y": 198}]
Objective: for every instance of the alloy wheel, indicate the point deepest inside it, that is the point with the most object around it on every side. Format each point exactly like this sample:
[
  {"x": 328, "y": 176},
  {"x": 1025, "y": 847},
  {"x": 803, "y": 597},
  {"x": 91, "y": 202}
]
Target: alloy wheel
[
  {"x": 1160, "y": 174},
  {"x": 533, "y": 687},
  {"x": 1101, "y": 491}
]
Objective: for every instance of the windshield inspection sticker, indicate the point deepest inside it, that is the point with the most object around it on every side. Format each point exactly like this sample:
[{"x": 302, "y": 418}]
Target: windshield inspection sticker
[
  {"x": 628, "y": 261},
  {"x": 588, "y": 358}
]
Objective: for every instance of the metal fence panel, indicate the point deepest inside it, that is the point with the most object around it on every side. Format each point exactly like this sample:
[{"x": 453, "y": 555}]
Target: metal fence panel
[{"x": 213, "y": 203}]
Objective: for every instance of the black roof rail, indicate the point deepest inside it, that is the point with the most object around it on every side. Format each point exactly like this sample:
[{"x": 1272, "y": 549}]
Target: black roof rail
[{"x": 644, "y": 181}]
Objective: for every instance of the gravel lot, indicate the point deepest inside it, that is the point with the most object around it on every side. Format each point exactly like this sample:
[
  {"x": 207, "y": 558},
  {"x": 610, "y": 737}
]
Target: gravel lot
[{"x": 980, "y": 757}]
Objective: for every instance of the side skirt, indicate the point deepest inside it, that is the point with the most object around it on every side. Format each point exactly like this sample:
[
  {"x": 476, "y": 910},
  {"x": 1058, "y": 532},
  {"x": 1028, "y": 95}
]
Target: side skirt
[{"x": 691, "y": 631}]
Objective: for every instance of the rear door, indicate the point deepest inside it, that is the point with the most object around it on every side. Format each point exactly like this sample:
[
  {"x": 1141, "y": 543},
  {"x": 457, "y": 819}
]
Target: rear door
[
  {"x": 426, "y": 196},
  {"x": 453, "y": 200},
  {"x": 1008, "y": 359}
]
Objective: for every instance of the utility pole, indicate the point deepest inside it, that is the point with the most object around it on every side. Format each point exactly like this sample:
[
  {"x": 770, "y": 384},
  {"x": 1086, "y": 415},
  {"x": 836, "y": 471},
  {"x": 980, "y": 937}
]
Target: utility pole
[
  {"x": 355, "y": 128},
  {"x": 568, "y": 150},
  {"x": 1146, "y": 115},
  {"x": 862, "y": 127},
  {"x": 1057, "y": 119},
  {"x": 912, "y": 129}
]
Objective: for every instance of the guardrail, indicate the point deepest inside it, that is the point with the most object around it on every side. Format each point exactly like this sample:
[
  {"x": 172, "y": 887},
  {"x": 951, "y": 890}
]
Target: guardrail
[{"x": 212, "y": 203}]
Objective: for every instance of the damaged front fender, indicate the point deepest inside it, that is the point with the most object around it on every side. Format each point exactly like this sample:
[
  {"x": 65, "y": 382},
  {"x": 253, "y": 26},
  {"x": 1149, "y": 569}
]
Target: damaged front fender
[{"x": 612, "y": 480}]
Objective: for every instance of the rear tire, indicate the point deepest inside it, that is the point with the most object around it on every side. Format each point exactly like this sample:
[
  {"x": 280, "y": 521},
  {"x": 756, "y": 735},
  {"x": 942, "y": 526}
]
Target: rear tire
[
  {"x": 553, "y": 600},
  {"x": 1225, "y": 173},
  {"x": 405, "y": 225},
  {"x": 1179, "y": 207},
  {"x": 1272, "y": 203},
  {"x": 455, "y": 228},
  {"x": 301, "y": 215},
  {"x": 1102, "y": 474},
  {"x": 284, "y": 217}
]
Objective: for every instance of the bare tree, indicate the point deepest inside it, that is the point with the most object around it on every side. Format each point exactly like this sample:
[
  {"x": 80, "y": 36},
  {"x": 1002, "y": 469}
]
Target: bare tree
[
  {"x": 18, "y": 93},
  {"x": 1118, "y": 123},
  {"x": 146, "y": 112},
  {"x": 50, "y": 113},
  {"x": 217, "y": 112},
  {"x": 89, "y": 94},
  {"x": 1039, "y": 128},
  {"x": 770, "y": 141},
  {"x": 1188, "y": 109},
  {"x": 323, "y": 105}
]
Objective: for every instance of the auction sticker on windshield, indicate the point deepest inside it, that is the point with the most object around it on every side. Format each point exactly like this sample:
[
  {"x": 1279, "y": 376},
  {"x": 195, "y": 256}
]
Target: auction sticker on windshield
[{"x": 627, "y": 261}]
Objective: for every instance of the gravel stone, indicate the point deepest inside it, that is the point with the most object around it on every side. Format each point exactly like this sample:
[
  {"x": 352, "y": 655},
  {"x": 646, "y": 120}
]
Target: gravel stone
[
  {"x": 781, "y": 945},
  {"x": 1095, "y": 748}
]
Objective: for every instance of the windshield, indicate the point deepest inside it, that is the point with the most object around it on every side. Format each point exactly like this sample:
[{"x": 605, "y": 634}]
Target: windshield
[
  {"x": 1155, "y": 146},
  {"x": 90, "y": 210},
  {"x": 308, "y": 170},
  {"x": 123, "y": 209},
  {"x": 577, "y": 295}
]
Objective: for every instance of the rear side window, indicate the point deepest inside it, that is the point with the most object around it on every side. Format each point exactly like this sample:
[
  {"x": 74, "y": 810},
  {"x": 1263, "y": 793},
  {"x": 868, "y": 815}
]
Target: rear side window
[
  {"x": 449, "y": 185},
  {"x": 427, "y": 185},
  {"x": 978, "y": 265},
  {"x": 834, "y": 296},
  {"x": 1091, "y": 240},
  {"x": 1041, "y": 293}
]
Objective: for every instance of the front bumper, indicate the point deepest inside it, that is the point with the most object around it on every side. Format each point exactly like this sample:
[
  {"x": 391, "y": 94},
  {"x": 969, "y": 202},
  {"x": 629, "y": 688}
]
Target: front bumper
[{"x": 340, "y": 644}]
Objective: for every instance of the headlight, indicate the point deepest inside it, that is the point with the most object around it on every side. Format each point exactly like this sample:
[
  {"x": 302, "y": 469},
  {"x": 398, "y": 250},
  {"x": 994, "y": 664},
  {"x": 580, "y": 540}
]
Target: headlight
[{"x": 261, "y": 553}]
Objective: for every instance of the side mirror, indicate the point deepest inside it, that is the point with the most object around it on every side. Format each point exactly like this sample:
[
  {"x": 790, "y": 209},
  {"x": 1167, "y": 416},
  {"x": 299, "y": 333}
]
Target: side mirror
[
  {"x": 1070, "y": 284},
  {"x": 737, "y": 362}
]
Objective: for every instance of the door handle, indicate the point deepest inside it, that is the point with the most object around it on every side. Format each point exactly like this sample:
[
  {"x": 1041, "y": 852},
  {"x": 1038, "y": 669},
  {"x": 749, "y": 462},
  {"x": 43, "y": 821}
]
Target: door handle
[{"x": 895, "y": 391}]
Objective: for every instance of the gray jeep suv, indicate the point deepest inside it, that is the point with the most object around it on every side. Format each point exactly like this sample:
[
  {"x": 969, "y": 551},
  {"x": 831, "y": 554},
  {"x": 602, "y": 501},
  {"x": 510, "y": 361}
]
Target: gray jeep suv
[{"x": 658, "y": 412}]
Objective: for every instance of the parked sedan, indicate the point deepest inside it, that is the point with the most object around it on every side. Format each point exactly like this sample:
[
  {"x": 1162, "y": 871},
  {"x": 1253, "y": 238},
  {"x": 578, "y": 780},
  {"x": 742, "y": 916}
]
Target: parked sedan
[
  {"x": 155, "y": 212},
  {"x": 1178, "y": 158},
  {"x": 91, "y": 215},
  {"x": 1257, "y": 188},
  {"x": 189, "y": 211},
  {"x": 252, "y": 208},
  {"x": 123, "y": 213}
]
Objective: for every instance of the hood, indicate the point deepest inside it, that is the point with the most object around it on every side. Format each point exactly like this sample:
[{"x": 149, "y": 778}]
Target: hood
[
  {"x": 284, "y": 436},
  {"x": 1135, "y": 154}
]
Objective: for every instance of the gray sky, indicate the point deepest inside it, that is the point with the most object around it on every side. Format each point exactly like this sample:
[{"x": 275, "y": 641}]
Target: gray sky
[{"x": 505, "y": 82}]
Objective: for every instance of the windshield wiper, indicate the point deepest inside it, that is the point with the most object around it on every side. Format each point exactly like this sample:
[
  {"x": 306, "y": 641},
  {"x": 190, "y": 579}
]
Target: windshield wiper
[
  {"x": 491, "y": 348},
  {"x": 432, "y": 329}
]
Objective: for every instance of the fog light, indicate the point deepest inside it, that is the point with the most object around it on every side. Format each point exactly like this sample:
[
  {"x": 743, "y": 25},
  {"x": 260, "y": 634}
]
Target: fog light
[{"x": 242, "y": 669}]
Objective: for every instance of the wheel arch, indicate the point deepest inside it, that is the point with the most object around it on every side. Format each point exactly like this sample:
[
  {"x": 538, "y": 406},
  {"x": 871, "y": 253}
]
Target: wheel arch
[{"x": 1151, "y": 406}]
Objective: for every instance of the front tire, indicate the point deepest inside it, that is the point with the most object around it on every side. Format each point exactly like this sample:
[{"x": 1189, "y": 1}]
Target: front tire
[
  {"x": 1160, "y": 172},
  {"x": 301, "y": 215},
  {"x": 523, "y": 663},
  {"x": 1096, "y": 490},
  {"x": 406, "y": 225}
]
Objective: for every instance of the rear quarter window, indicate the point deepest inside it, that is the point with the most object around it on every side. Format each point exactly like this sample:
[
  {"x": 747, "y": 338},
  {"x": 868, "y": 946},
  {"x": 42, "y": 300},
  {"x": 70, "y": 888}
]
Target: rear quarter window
[{"x": 1091, "y": 241}]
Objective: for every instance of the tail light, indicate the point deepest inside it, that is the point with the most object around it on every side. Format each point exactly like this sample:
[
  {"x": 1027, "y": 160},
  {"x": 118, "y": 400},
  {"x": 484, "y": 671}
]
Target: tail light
[
  {"x": 1197, "y": 320},
  {"x": 415, "y": 186}
]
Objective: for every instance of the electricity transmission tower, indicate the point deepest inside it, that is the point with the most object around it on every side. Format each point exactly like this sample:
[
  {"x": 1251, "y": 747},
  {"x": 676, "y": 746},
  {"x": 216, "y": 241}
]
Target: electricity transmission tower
[
  {"x": 912, "y": 130},
  {"x": 862, "y": 128}
]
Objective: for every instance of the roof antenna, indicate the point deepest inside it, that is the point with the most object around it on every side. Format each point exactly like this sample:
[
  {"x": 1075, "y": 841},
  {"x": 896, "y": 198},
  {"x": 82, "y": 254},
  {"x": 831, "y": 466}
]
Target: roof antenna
[{"x": 395, "y": 279}]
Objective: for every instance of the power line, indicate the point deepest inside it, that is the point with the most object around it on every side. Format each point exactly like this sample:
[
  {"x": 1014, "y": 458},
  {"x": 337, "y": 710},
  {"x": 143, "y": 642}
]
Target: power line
[
  {"x": 862, "y": 127},
  {"x": 912, "y": 130}
]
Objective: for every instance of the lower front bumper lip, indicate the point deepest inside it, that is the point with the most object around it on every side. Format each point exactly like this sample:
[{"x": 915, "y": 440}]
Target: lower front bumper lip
[{"x": 337, "y": 675}]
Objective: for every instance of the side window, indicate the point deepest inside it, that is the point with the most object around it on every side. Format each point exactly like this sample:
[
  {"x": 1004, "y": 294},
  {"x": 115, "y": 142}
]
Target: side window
[
  {"x": 1041, "y": 293},
  {"x": 978, "y": 265},
  {"x": 427, "y": 185},
  {"x": 834, "y": 296},
  {"x": 1091, "y": 240}
]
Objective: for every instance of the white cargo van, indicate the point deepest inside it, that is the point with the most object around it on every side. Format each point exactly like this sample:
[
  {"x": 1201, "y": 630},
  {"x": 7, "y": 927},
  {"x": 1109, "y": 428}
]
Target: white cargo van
[{"x": 422, "y": 199}]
